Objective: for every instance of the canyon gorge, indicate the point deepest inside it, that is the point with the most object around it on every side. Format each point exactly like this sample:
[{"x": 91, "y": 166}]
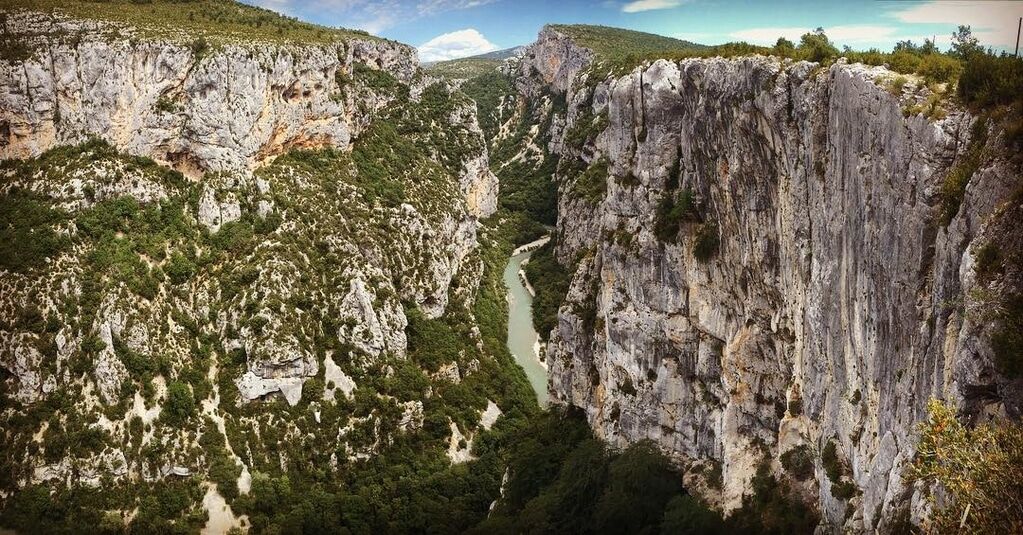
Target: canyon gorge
[{"x": 243, "y": 269}]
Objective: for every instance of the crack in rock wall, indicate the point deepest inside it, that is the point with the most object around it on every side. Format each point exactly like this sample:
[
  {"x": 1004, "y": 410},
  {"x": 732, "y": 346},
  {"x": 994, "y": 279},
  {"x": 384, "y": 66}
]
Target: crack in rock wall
[
  {"x": 229, "y": 108},
  {"x": 824, "y": 313}
]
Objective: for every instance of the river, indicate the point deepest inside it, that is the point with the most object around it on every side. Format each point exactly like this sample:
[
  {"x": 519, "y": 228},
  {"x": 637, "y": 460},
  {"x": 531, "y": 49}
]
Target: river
[{"x": 523, "y": 341}]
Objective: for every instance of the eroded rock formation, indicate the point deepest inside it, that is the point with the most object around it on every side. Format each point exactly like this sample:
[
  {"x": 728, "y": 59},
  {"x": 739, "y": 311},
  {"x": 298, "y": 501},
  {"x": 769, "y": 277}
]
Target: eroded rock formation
[
  {"x": 257, "y": 271},
  {"x": 185, "y": 105},
  {"x": 830, "y": 301}
]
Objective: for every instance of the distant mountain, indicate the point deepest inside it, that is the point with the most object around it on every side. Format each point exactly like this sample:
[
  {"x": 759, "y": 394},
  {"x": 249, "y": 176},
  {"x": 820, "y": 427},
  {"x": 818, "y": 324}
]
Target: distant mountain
[
  {"x": 463, "y": 68},
  {"x": 618, "y": 45},
  {"x": 501, "y": 54}
]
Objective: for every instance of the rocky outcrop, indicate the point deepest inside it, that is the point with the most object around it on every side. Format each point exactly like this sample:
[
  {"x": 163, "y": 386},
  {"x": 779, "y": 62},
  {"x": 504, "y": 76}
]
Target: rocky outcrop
[
  {"x": 218, "y": 113},
  {"x": 192, "y": 301},
  {"x": 196, "y": 109},
  {"x": 480, "y": 186},
  {"x": 550, "y": 64},
  {"x": 826, "y": 309}
]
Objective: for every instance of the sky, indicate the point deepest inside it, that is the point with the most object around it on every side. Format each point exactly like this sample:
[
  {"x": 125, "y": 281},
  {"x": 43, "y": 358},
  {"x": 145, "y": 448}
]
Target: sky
[{"x": 448, "y": 29}]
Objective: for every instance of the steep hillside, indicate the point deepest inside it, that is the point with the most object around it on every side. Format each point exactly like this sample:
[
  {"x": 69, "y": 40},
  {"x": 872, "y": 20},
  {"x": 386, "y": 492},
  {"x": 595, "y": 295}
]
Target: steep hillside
[
  {"x": 196, "y": 105},
  {"x": 251, "y": 277},
  {"x": 611, "y": 43},
  {"x": 244, "y": 272},
  {"x": 775, "y": 261},
  {"x": 472, "y": 66},
  {"x": 216, "y": 21}
]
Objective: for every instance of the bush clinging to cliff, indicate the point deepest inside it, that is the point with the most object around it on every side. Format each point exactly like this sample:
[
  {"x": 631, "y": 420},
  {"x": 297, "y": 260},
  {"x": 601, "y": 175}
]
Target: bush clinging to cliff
[
  {"x": 953, "y": 188},
  {"x": 671, "y": 213},
  {"x": 979, "y": 469},
  {"x": 707, "y": 242},
  {"x": 1007, "y": 341},
  {"x": 798, "y": 461}
]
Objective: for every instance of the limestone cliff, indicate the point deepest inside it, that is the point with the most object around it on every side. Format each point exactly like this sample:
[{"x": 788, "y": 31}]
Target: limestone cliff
[
  {"x": 805, "y": 289},
  {"x": 197, "y": 109},
  {"x": 215, "y": 248}
]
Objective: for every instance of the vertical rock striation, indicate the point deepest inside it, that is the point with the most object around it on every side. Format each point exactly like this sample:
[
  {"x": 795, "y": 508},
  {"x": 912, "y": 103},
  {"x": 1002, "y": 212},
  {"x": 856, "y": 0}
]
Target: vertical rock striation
[
  {"x": 834, "y": 302},
  {"x": 195, "y": 108}
]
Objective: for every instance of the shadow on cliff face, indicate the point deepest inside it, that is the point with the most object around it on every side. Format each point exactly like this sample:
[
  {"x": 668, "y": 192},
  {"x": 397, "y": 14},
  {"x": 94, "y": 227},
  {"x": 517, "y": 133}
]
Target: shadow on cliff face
[{"x": 562, "y": 479}]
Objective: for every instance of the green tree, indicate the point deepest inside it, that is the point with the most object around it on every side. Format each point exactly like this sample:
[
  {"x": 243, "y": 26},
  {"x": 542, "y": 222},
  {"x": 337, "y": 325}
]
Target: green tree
[
  {"x": 906, "y": 46},
  {"x": 686, "y": 515},
  {"x": 815, "y": 46},
  {"x": 179, "y": 268},
  {"x": 784, "y": 47},
  {"x": 928, "y": 47},
  {"x": 640, "y": 483},
  {"x": 964, "y": 44},
  {"x": 989, "y": 80},
  {"x": 180, "y": 405}
]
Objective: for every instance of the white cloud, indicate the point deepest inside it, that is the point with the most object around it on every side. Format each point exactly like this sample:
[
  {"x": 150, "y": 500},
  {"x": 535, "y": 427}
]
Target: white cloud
[
  {"x": 650, "y": 5},
  {"x": 843, "y": 34},
  {"x": 453, "y": 45},
  {"x": 993, "y": 23},
  {"x": 431, "y": 7},
  {"x": 861, "y": 33}
]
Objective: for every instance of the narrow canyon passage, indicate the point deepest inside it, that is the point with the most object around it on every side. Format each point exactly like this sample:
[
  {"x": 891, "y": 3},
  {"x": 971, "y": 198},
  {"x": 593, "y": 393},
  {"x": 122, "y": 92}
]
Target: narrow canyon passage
[
  {"x": 262, "y": 275},
  {"x": 523, "y": 341}
]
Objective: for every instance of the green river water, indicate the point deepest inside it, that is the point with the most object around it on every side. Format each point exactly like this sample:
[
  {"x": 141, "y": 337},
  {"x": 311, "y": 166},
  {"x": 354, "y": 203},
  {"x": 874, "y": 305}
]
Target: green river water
[{"x": 522, "y": 338}]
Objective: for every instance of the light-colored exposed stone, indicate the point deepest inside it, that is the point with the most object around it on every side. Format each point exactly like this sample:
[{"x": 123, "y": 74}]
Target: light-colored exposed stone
[
  {"x": 831, "y": 280},
  {"x": 229, "y": 109},
  {"x": 490, "y": 415},
  {"x": 213, "y": 213},
  {"x": 333, "y": 374},
  {"x": 412, "y": 416},
  {"x": 221, "y": 119},
  {"x": 459, "y": 446}
]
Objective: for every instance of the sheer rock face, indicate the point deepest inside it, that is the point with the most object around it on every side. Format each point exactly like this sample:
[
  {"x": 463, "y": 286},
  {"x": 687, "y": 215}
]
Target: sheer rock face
[
  {"x": 229, "y": 107},
  {"x": 551, "y": 63},
  {"x": 824, "y": 313}
]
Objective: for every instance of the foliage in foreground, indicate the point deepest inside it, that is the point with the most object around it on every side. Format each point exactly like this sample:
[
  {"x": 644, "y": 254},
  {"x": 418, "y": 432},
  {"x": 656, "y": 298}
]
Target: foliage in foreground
[
  {"x": 564, "y": 480},
  {"x": 989, "y": 80},
  {"x": 978, "y": 468}
]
